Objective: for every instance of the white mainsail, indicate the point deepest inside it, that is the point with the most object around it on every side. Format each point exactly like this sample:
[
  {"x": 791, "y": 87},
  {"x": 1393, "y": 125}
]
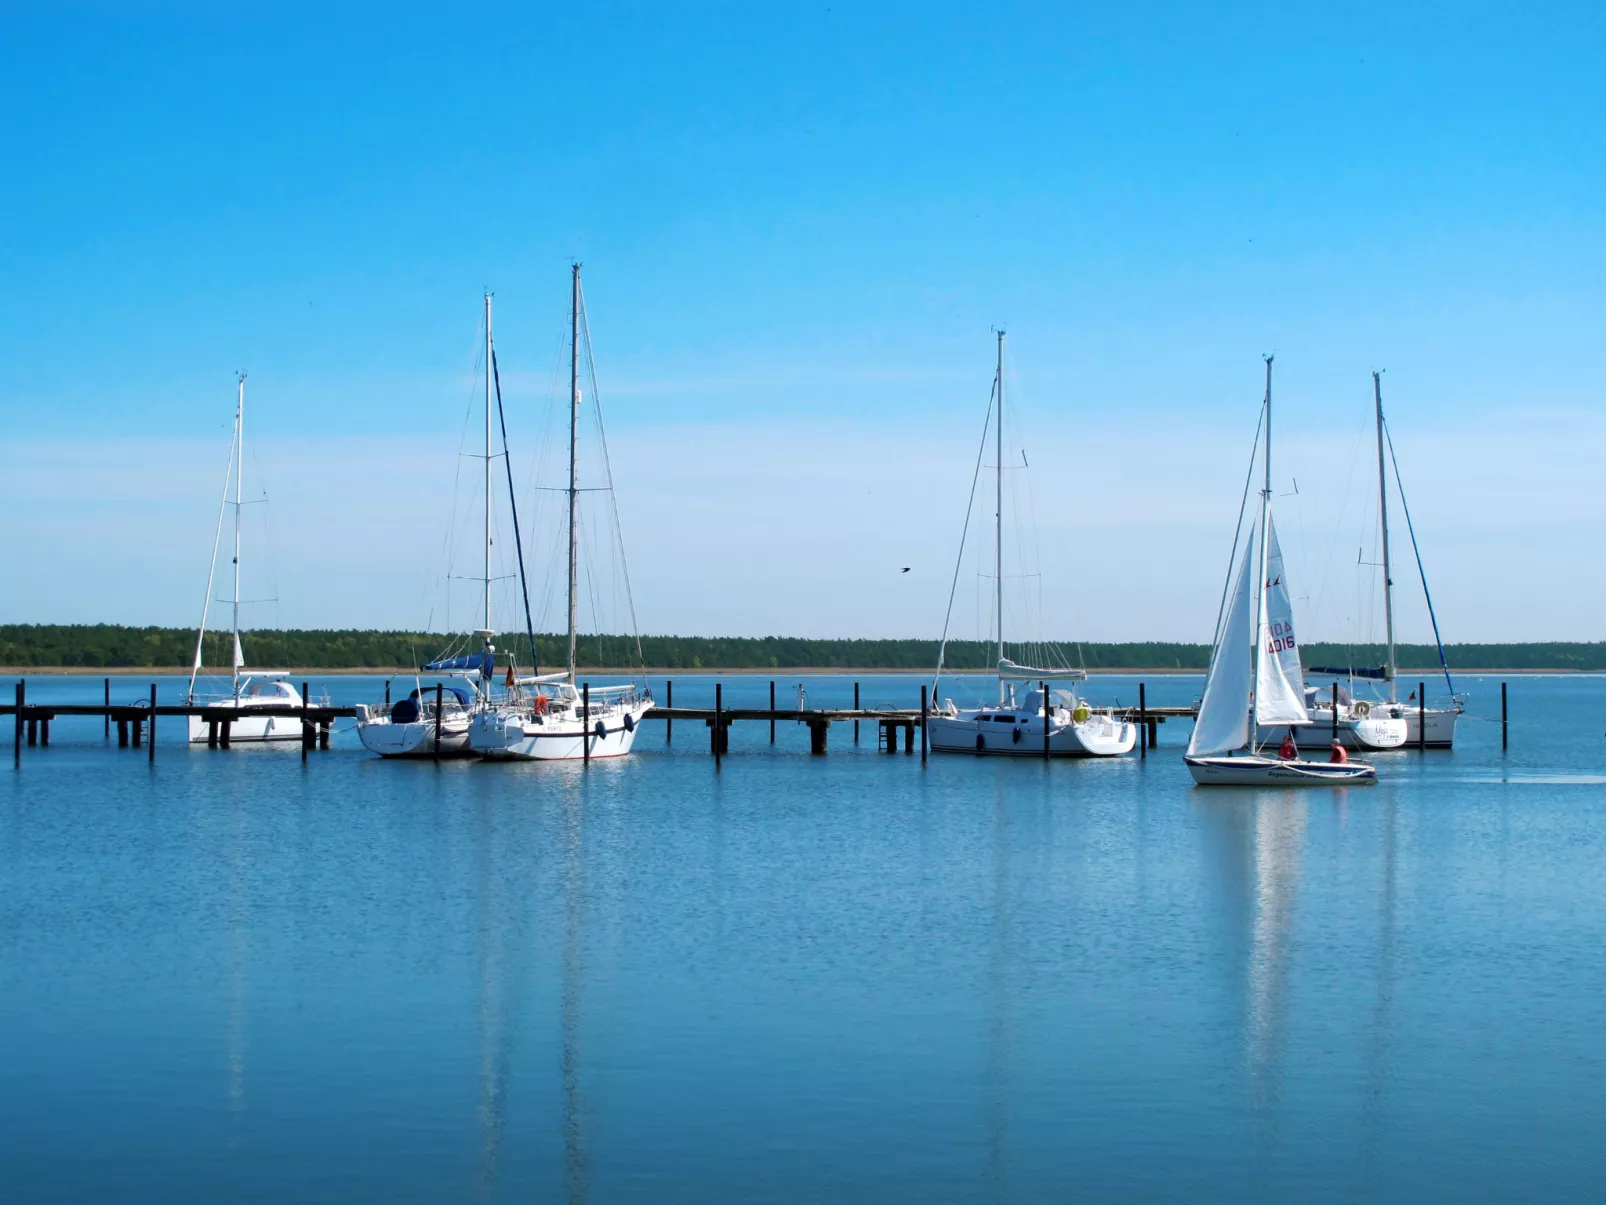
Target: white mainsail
[
  {"x": 1222, "y": 724},
  {"x": 1280, "y": 683}
]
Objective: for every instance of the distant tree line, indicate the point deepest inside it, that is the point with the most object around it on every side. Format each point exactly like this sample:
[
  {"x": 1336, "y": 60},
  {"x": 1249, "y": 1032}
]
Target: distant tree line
[{"x": 112, "y": 647}]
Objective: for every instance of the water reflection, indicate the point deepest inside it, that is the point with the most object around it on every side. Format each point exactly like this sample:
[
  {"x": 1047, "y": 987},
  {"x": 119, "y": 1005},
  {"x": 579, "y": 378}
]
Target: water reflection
[
  {"x": 575, "y": 1171},
  {"x": 498, "y": 990},
  {"x": 1277, "y": 833}
]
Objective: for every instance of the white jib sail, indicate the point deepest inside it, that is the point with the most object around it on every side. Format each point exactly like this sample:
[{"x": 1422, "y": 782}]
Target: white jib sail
[
  {"x": 1280, "y": 689},
  {"x": 1222, "y": 724},
  {"x": 239, "y": 653}
]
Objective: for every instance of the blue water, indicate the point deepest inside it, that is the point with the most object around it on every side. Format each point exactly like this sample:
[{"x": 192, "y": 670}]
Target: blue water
[{"x": 241, "y": 976}]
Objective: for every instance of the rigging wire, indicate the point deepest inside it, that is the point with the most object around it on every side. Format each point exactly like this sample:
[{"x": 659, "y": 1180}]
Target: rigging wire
[
  {"x": 1399, "y": 484},
  {"x": 981, "y": 452}
]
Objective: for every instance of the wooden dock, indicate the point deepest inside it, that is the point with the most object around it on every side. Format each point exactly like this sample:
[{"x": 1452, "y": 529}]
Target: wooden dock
[{"x": 896, "y": 727}]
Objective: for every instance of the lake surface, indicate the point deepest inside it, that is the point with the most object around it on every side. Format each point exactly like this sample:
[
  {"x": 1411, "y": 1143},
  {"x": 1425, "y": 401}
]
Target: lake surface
[{"x": 238, "y": 976}]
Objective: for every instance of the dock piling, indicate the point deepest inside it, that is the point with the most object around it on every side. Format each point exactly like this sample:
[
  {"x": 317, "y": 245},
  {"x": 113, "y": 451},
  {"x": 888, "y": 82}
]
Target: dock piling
[
  {"x": 1335, "y": 708},
  {"x": 1048, "y": 718},
  {"x": 855, "y": 708},
  {"x": 925, "y": 710},
  {"x": 108, "y": 709},
  {"x": 22, "y": 695},
  {"x": 1421, "y": 717},
  {"x": 1505, "y": 739},
  {"x": 772, "y": 711},
  {"x": 150, "y": 736},
  {"x": 1143, "y": 721},
  {"x": 122, "y": 732},
  {"x": 306, "y": 725},
  {"x": 717, "y": 736},
  {"x": 817, "y": 731},
  {"x": 669, "y": 725},
  {"x": 585, "y": 720}
]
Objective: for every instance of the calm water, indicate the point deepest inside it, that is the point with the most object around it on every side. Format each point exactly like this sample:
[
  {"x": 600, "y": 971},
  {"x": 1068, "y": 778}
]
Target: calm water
[{"x": 235, "y": 976}]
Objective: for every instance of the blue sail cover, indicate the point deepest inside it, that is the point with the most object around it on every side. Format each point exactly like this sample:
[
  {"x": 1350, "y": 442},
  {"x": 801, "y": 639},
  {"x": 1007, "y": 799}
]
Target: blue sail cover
[{"x": 483, "y": 662}]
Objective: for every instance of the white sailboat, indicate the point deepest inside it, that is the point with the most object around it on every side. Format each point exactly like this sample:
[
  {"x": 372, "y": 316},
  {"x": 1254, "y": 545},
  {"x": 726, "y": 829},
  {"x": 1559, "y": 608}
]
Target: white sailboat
[
  {"x": 256, "y": 689},
  {"x": 551, "y": 717},
  {"x": 1021, "y": 725},
  {"x": 408, "y": 728},
  {"x": 1359, "y": 717},
  {"x": 1255, "y": 680}
]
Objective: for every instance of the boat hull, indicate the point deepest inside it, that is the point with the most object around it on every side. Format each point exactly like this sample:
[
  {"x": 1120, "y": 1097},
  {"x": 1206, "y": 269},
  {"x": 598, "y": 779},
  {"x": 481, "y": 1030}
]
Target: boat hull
[
  {"x": 1372, "y": 733},
  {"x": 252, "y": 729},
  {"x": 522, "y": 736},
  {"x": 389, "y": 739},
  {"x": 981, "y": 735},
  {"x": 1269, "y": 772}
]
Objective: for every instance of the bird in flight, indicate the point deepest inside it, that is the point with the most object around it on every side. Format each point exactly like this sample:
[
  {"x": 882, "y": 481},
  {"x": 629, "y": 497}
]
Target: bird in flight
[{"x": 905, "y": 569}]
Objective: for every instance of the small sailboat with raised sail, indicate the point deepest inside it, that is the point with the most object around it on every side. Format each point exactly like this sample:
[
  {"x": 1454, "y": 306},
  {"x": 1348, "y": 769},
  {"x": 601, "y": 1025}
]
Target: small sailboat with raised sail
[
  {"x": 1433, "y": 727},
  {"x": 552, "y": 717},
  {"x": 1255, "y": 680},
  {"x": 1034, "y": 720},
  {"x": 254, "y": 689}
]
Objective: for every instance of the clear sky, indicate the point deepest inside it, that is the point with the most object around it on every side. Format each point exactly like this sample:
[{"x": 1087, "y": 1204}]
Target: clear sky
[{"x": 799, "y": 225}]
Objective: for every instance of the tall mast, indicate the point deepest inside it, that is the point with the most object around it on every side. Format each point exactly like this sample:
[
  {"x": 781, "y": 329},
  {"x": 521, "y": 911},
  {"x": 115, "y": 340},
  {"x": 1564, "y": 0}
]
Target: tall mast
[
  {"x": 574, "y": 422},
  {"x": 1265, "y": 525},
  {"x": 239, "y": 472},
  {"x": 1383, "y": 515},
  {"x": 998, "y": 517},
  {"x": 486, "y": 626}
]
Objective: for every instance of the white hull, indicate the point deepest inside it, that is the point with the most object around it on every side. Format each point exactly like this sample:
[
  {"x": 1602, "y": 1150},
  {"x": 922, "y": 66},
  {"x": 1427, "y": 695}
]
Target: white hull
[
  {"x": 1371, "y": 732},
  {"x": 389, "y": 739},
  {"x": 1268, "y": 772},
  {"x": 251, "y": 728},
  {"x": 524, "y": 736},
  {"x": 980, "y": 733}
]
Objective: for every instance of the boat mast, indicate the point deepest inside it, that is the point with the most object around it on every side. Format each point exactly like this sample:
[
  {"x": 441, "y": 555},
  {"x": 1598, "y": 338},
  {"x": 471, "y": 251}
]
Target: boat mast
[
  {"x": 998, "y": 518},
  {"x": 1383, "y": 515},
  {"x": 1265, "y": 526},
  {"x": 486, "y": 626},
  {"x": 574, "y": 421},
  {"x": 239, "y": 472}
]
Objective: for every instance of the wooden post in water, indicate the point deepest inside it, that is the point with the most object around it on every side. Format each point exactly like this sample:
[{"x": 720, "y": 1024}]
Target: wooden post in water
[
  {"x": 150, "y": 737},
  {"x": 719, "y": 720},
  {"x": 33, "y": 733},
  {"x": 1048, "y": 717},
  {"x": 772, "y": 711},
  {"x": 1335, "y": 708},
  {"x": 1143, "y": 721},
  {"x": 669, "y": 724},
  {"x": 1505, "y": 741},
  {"x": 306, "y": 726},
  {"x": 387, "y": 696},
  {"x": 108, "y": 709},
  {"x": 925, "y": 710},
  {"x": 439, "y": 694},
  {"x": 22, "y": 696},
  {"x": 1421, "y": 717},
  {"x": 585, "y": 719},
  {"x": 122, "y": 732},
  {"x": 855, "y": 708}
]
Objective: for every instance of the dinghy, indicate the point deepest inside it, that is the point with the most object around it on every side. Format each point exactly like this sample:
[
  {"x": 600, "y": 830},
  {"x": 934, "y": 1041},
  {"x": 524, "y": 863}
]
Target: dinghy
[{"x": 1255, "y": 680}]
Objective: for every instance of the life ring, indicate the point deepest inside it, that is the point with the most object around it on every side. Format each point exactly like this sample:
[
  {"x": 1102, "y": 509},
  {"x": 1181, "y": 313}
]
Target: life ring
[{"x": 1362, "y": 708}]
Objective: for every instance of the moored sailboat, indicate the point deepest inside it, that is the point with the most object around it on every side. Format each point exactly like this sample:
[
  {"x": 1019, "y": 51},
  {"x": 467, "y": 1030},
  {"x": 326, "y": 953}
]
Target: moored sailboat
[
  {"x": 1255, "y": 680},
  {"x": 1422, "y": 726},
  {"x": 552, "y": 717},
  {"x": 1057, "y": 723},
  {"x": 259, "y": 690}
]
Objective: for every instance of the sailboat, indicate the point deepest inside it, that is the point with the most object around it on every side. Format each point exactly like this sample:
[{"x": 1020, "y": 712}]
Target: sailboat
[
  {"x": 1255, "y": 680},
  {"x": 1420, "y": 724},
  {"x": 551, "y": 717},
  {"x": 408, "y": 728},
  {"x": 256, "y": 689},
  {"x": 1022, "y": 725}
]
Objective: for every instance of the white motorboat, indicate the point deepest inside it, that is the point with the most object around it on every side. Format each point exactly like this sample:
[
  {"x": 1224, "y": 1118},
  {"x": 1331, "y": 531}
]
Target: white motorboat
[
  {"x": 1044, "y": 722},
  {"x": 1436, "y": 724},
  {"x": 408, "y": 728},
  {"x": 554, "y": 717},
  {"x": 1255, "y": 680},
  {"x": 254, "y": 690}
]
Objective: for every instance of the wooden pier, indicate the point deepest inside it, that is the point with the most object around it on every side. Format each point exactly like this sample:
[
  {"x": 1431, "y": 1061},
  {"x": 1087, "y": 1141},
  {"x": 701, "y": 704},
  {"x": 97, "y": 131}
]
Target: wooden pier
[{"x": 896, "y": 727}]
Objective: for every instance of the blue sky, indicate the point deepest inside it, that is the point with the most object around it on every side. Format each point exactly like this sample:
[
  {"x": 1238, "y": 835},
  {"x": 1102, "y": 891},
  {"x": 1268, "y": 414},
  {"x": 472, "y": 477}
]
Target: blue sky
[{"x": 799, "y": 225}]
